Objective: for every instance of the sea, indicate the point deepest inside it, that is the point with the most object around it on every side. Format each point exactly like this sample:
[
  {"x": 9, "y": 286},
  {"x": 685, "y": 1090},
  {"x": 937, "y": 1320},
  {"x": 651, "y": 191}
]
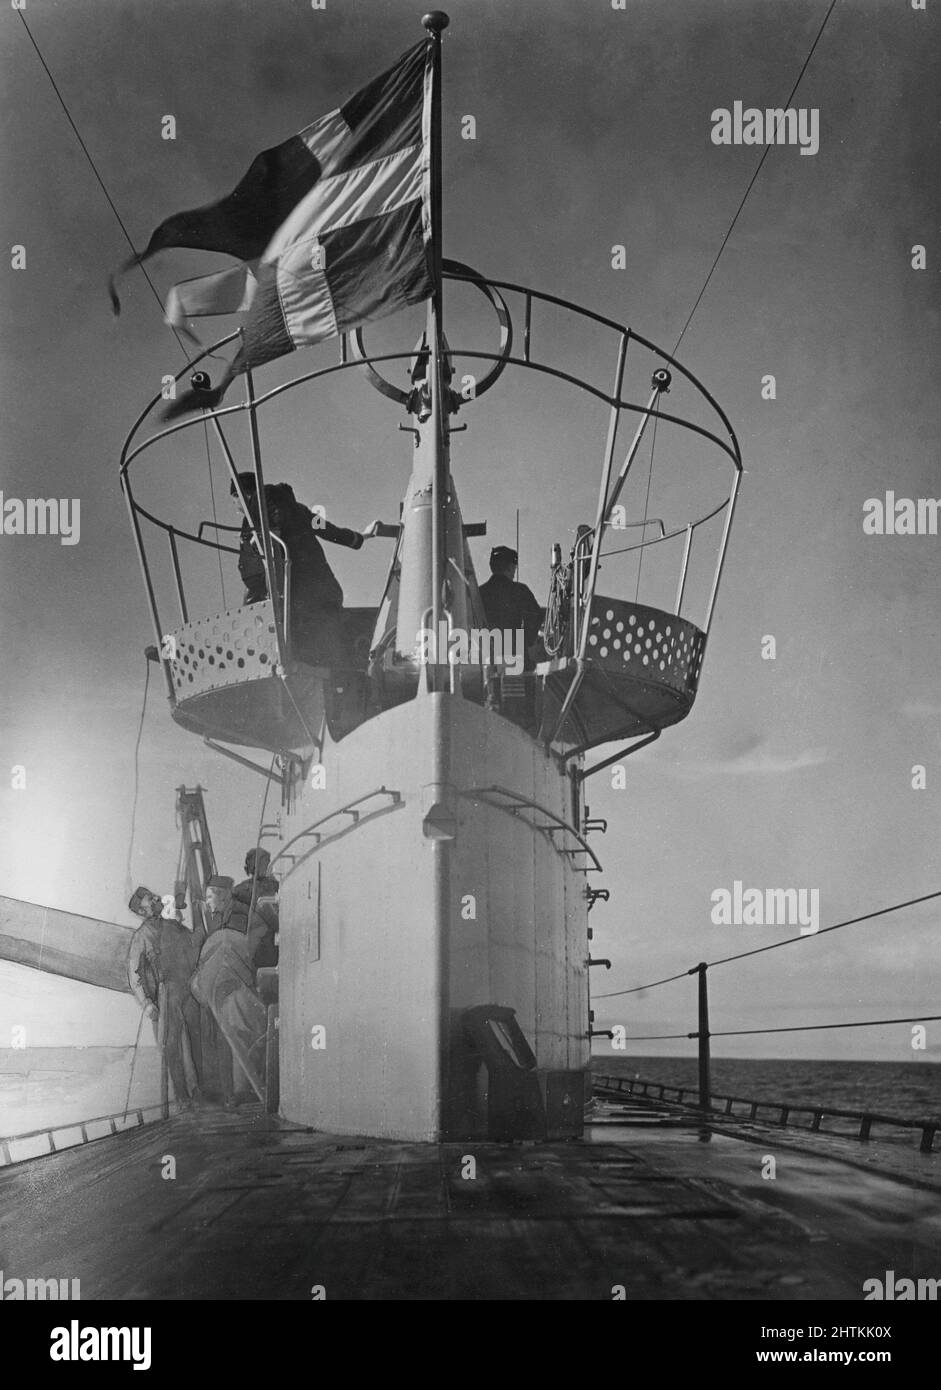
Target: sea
[
  {"x": 904, "y": 1090},
  {"x": 44, "y": 1087}
]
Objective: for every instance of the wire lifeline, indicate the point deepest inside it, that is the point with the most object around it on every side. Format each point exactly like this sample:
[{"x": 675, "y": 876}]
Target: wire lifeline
[
  {"x": 128, "y": 884},
  {"x": 849, "y": 922},
  {"x": 816, "y": 1027},
  {"x": 751, "y": 182},
  {"x": 796, "y": 1028},
  {"x": 775, "y": 945},
  {"x": 656, "y": 1037},
  {"x": 639, "y": 989}
]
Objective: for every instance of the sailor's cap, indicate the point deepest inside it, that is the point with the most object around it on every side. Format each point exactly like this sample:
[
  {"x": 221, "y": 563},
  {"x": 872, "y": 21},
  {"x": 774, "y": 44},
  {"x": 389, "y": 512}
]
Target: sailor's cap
[{"x": 136, "y": 901}]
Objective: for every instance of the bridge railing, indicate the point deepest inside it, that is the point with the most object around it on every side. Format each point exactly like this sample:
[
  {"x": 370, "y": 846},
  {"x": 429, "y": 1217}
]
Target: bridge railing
[
  {"x": 703, "y": 1033},
  {"x": 865, "y": 1119}
]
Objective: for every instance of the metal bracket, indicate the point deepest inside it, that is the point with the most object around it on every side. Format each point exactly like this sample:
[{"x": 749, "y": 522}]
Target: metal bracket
[
  {"x": 624, "y": 752},
  {"x": 277, "y": 777}
]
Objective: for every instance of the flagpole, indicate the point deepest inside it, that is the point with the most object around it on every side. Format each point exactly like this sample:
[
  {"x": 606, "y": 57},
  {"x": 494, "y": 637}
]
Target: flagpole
[{"x": 435, "y": 22}]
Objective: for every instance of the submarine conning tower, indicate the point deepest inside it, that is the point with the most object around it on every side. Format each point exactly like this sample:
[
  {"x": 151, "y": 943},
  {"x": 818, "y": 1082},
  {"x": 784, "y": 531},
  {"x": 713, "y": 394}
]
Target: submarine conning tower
[{"x": 436, "y": 859}]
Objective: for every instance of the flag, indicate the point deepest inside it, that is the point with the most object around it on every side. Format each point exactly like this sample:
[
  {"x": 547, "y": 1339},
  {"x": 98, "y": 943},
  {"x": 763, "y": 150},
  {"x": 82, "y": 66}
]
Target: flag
[
  {"x": 332, "y": 226},
  {"x": 227, "y": 292}
]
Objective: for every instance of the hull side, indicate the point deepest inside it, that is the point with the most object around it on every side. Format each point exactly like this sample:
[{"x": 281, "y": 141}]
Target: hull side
[{"x": 442, "y": 903}]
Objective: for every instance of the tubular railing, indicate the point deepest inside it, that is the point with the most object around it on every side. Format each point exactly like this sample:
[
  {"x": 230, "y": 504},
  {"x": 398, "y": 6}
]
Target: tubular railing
[
  {"x": 332, "y": 826},
  {"x": 703, "y": 1033},
  {"x": 233, "y": 550},
  {"x": 579, "y": 626},
  {"x": 117, "y": 1123},
  {"x": 352, "y": 355},
  {"x": 610, "y": 491},
  {"x": 522, "y": 807},
  {"x": 818, "y": 1113}
]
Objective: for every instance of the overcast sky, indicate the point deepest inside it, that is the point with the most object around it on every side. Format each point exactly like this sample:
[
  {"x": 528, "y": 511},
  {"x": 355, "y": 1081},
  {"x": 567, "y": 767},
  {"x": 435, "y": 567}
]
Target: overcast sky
[{"x": 592, "y": 130}]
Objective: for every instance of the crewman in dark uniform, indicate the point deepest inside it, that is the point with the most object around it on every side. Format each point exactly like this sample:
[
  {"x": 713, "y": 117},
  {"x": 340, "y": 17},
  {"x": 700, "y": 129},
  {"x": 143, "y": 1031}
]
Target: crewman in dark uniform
[
  {"x": 316, "y": 596},
  {"x": 224, "y": 982},
  {"x": 251, "y": 565},
  {"x": 511, "y": 606},
  {"x": 258, "y": 885},
  {"x": 161, "y": 959}
]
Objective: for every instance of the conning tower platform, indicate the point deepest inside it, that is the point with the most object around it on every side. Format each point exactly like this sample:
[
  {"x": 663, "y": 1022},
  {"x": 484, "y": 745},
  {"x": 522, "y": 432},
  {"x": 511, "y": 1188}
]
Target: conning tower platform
[{"x": 433, "y": 844}]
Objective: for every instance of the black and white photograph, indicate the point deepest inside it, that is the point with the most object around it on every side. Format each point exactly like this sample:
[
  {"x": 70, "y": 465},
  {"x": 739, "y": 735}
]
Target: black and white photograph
[{"x": 470, "y": 694}]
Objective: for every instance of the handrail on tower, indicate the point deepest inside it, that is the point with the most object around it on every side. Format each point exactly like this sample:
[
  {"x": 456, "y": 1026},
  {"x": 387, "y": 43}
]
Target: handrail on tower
[{"x": 590, "y": 687}]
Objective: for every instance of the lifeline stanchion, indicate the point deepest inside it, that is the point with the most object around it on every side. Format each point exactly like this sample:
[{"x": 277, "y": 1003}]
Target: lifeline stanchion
[{"x": 705, "y": 1086}]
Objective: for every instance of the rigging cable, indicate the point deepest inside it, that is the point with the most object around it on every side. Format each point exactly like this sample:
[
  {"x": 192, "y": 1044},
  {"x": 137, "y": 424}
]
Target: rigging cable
[
  {"x": 128, "y": 885},
  {"x": 776, "y": 945},
  {"x": 815, "y": 1027},
  {"x": 794, "y": 1028},
  {"x": 751, "y": 183},
  {"x": 128, "y": 239}
]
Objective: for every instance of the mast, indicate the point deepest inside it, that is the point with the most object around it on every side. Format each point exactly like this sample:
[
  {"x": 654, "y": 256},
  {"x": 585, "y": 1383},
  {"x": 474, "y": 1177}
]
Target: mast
[{"x": 435, "y": 22}]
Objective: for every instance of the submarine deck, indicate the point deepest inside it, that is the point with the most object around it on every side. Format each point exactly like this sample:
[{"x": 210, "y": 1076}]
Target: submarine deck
[{"x": 663, "y": 1202}]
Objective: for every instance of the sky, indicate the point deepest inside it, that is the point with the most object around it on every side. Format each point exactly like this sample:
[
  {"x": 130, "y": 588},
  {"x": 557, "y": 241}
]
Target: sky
[{"x": 593, "y": 130}]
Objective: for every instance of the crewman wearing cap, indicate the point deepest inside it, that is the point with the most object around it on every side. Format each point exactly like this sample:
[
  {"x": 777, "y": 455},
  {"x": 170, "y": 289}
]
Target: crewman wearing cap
[
  {"x": 228, "y": 913},
  {"x": 253, "y": 894},
  {"x": 510, "y": 606},
  {"x": 161, "y": 959}
]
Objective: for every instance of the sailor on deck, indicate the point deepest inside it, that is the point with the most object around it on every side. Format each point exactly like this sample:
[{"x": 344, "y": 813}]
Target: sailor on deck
[
  {"x": 224, "y": 982},
  {"x": 251, "y": 893},
  {"x": 510, "y": 606},
  {"x": 161, "y": 959}
]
